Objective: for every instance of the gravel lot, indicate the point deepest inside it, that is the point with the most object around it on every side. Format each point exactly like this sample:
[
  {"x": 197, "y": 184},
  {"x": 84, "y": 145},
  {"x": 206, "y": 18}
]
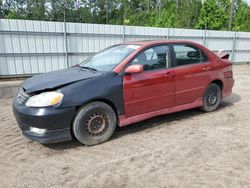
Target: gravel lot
[{"x": 186, "y": 149}]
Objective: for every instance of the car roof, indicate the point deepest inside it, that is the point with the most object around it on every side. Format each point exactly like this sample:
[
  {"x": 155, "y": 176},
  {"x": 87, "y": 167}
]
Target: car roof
[{"x": 152, "y": 42}]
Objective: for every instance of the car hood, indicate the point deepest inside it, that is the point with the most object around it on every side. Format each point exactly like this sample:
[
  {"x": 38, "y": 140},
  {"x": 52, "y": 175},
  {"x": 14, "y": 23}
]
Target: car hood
[{"x": 56, "y": 79}]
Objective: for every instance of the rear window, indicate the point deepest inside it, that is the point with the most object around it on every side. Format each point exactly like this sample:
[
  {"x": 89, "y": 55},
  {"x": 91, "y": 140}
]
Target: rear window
[{"x": 187, "y": 54}]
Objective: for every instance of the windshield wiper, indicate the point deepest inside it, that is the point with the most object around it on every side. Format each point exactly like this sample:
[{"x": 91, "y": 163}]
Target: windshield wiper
[
  {"x": 76, "y": 65},
  {"x": 89, "y": 68}
]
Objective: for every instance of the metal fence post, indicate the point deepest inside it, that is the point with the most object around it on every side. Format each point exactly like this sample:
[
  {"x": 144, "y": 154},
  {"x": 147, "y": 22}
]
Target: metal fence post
[
  {"x": 204, "y": 36},
  {"x": 124, "y": 33},
  {"x": 66, "y": 40},
  {"x": 168, "y": 34},
  {"x": 233, "y": 46}
]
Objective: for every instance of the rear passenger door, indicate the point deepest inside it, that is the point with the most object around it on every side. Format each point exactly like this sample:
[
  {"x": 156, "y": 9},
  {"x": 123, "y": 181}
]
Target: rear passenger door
[{"x": 192, "y": 69}]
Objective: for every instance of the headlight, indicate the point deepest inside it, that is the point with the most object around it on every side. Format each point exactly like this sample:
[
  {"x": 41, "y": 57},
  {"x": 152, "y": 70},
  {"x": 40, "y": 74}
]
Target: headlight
[{"x": 45, "y": 99}]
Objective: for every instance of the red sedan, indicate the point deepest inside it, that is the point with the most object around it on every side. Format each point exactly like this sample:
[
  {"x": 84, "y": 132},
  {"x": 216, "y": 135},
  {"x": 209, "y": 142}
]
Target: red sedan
[{"x": 120, "y": 85}]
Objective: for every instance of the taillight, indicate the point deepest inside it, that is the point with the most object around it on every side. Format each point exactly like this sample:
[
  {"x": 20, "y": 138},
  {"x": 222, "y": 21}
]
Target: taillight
[{"x": 228, "y": 74}]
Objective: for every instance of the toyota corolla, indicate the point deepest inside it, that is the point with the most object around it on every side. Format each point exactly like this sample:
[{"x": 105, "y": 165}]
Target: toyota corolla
[{"x": 121, "y": 85}]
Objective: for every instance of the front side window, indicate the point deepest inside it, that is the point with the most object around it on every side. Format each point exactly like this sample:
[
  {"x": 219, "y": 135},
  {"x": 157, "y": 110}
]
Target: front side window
[
  {"x": 186, "y": 54},
  {"x": 109, "y": 58},
  {"x": 153, "y": 58}
]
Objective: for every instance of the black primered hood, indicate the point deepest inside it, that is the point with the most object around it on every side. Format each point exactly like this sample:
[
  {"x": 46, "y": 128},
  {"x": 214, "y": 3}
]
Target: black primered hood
[{"x": 56, "y": 79}]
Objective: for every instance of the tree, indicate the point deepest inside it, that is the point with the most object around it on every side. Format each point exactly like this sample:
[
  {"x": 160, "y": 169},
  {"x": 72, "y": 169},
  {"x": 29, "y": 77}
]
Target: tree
[
  {"x": 241, "y": 20},
  {"x": 1, "y": 9},
  {"x": 58, "y": 8},
  {"x": 156, "y": 13},
  {"x": 36, "y": 9},
  {"x": 15, "y": 9},
  {"x": 171, "y": 13},
  {"x": 166, "y": 17},
  {"x": 214, "y": 14},
  {"x": 138, "y": 12},
  {"x": 188, "y": 12}
]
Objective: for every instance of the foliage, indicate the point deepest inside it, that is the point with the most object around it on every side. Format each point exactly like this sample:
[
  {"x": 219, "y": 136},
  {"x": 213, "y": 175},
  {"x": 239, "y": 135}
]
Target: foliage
[
  {"x": 1, "y": 9},
  {"x": 242, "y": 17},
  {"x": 14, "y": 9},
  {"x": 213, "y": 14},
  {"x": 36, "y": 9}
]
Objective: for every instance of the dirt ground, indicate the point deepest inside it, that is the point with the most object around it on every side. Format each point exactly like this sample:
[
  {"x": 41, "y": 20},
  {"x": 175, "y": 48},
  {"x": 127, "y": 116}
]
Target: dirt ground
[{"x": 186, "y": 149}]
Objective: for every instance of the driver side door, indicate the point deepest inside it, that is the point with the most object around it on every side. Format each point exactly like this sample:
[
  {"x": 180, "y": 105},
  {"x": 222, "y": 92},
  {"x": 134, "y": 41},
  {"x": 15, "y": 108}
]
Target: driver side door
[{"x": 154, "y": 88}]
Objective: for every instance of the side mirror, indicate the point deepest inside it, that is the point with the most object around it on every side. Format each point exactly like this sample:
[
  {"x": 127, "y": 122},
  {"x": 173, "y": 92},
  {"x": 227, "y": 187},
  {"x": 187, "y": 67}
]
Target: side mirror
[{"x": 133, "y": 69}]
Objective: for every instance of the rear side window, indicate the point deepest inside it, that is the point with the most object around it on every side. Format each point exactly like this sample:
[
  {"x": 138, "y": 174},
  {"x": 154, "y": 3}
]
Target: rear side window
[
  {"x": 154, "y": 58},
  {"x": 187, "y": 54}
]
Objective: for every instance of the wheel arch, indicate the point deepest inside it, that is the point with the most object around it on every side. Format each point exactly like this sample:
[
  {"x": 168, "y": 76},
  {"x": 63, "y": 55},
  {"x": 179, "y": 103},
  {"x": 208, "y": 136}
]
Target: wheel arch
[
  {"x": 106, "y": 101},
  {"x": 218, "y": 82}
]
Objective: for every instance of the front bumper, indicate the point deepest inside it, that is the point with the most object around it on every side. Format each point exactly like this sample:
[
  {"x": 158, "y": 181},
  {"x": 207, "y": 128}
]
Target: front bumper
[
  {"x": 55, "y": 122},
  {"x": 50, "y": 136}
]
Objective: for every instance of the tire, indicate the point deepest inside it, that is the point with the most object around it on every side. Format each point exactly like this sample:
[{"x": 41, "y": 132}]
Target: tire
[
  {"x": 94, "y": 123},
  {"x": 211, "y": 98}
]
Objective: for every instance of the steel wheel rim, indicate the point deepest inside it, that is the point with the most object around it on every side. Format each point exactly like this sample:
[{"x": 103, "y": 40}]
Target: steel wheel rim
[
  {"x": 96, "y": 123},
  {"x": 212, "y": 98}
]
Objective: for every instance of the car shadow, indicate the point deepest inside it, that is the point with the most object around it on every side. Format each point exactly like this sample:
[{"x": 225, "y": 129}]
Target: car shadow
[{"x": 150, "y": 123}]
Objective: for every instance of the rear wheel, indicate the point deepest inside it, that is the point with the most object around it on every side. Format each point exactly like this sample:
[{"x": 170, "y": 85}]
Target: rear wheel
[
  {"x": 211, "y": 98},
  {"x": 94, "y": 123}
]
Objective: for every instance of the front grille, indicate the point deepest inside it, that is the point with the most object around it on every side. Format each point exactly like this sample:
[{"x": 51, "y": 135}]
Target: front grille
[{"x": 22, "y": 96}]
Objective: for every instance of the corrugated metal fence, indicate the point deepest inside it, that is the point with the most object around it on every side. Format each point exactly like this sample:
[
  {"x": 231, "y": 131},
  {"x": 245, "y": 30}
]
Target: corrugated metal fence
[{"x": 30, "y": 47}]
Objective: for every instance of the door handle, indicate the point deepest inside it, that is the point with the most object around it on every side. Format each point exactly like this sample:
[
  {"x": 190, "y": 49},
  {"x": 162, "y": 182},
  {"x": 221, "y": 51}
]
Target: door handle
[
  {"x": 206, "y": 68},
  {"x": 170, "y": 74}
]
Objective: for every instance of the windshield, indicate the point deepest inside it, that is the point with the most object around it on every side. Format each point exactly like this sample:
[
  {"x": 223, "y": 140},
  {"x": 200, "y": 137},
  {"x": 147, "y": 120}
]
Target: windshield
[{"x": 109, "y": 58}]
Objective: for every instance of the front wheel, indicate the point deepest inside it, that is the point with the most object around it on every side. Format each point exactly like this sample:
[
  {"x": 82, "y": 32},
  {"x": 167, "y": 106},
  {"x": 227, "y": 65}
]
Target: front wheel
[
  {"x": 211, "y": 98},
  {"x": 94, "y": 123}
]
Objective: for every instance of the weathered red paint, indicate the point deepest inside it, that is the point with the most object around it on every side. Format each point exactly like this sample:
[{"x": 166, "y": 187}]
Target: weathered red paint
[
  {"x": 148, "y": 91},
  {"x": 124, "y": 120},
  {"x": 157, "y": 92}
]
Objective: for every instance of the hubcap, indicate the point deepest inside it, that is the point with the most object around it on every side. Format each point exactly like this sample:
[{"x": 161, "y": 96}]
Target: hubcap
[
  {"x": 212, "y": 98},
  {"x": 96, "y": 123}
]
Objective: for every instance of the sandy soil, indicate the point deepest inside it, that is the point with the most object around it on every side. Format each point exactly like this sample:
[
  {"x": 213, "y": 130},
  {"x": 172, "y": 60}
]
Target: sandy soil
[{"x": 186, "y": 149}]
